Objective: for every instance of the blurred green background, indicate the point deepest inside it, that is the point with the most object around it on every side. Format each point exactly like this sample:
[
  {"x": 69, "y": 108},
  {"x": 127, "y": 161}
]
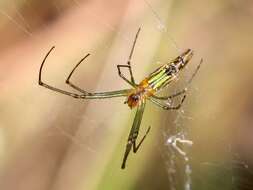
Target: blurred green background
[{"x": 52, "y": 142}]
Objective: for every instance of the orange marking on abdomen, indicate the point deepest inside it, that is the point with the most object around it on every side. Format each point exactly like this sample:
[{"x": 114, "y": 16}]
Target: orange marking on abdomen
[{"x": 148, "y": 91}]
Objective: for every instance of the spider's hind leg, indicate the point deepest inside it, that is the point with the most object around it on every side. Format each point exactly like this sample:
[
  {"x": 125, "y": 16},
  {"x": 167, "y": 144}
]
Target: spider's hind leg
[
  {"x": 167, "y": 106},
  {"x": 183, "y": 91}
]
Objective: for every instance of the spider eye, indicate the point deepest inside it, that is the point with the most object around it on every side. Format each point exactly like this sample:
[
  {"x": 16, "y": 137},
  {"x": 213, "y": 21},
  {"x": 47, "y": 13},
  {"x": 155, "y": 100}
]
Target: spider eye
[{"x": 135, "y": 97}]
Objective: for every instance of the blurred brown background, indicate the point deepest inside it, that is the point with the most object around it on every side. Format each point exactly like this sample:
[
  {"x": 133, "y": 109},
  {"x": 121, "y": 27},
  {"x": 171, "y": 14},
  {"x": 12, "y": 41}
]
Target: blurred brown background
[{"x": 52, "y": 142}]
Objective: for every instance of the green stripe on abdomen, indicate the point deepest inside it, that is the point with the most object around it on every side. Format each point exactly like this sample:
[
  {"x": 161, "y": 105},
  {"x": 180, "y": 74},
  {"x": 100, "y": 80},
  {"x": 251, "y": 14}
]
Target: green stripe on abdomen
[{"x": 159, "y": 80}]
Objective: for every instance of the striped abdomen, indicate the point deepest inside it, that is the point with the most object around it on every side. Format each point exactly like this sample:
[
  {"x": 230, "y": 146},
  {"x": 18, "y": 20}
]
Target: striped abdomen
[
  {"x": 162, "y": 76},
  {"x": 159, "y": 79},
  {"x": 150, "y": 85},
  {"x": 168, "y": 72}
]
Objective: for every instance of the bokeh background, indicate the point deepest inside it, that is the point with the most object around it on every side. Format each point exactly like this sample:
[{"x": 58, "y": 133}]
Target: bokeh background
[{"x": 52, "y": 142}]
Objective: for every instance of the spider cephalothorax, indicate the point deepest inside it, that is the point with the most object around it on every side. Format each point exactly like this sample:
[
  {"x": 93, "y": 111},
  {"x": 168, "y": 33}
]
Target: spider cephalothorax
[
  {"x": 134, "y": 99},
  {"x": 139, "y": 93}
]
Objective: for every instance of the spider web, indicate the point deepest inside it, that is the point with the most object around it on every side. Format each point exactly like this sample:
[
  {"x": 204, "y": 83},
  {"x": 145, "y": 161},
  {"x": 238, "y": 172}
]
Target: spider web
[
  {"x": 176, "y": 141},
  {"x": 178, "y": 156},
  {"x": 177, "y": 138}
]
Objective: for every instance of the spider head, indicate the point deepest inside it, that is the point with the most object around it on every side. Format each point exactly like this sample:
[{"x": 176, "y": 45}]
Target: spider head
[{"x": 133, "y": 100}]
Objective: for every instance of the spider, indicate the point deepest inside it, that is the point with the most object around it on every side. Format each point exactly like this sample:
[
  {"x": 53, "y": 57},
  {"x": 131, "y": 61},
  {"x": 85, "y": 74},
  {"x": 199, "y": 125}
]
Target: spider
[{"x": 137, "y": 96}]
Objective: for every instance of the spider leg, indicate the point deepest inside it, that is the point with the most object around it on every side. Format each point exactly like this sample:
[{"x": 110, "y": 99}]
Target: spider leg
[
  {"x": 131, "y": 142},
  {"x": 165, "y": 106},
  {"x": 123, "y": 77},
  {"x": 195, "y": 71},
  {"x": 171, "y": 96},
  {"x": 74, "y": 95},
  {"x": 135, "y": 148},
  {"x": 70, "y": 74},
  {"x": 93, "y": 95},
  {"x": 128, "y": 65},
  {"x": 131, "y": 54},
  {"x": 84, "y": 94},
  {"x": 185, "y": 89}
]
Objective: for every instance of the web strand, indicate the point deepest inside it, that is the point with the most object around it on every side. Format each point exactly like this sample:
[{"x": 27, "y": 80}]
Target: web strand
[{"x": 162, "y": 26}]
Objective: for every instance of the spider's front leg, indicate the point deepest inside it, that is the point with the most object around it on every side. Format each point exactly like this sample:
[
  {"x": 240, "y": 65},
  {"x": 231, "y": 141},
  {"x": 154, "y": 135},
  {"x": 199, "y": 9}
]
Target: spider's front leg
[
  {"x": 131, "y": 141},
  {"x": 74, "y": 95},
  {"x": 71, "y": 73},
  {"x": 84, "y": 94}
]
